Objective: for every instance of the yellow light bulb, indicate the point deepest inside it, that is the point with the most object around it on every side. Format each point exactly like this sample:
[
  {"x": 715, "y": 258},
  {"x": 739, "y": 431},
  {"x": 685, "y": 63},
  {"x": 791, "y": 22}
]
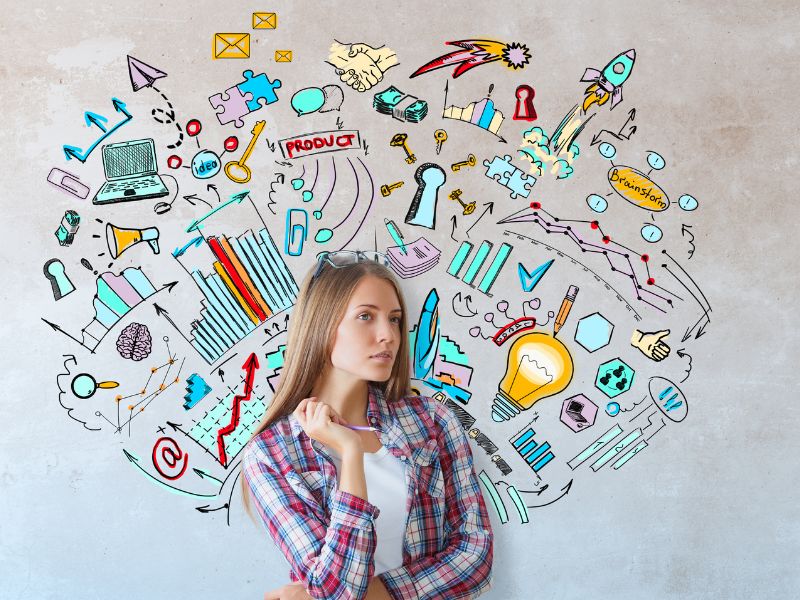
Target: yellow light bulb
[{"x": 539, "y": 366}]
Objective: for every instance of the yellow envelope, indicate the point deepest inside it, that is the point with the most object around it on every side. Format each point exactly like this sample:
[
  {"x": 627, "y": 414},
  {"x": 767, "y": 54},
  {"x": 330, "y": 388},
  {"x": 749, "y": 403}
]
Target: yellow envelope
[
  {"x": 283, "y": 56},
  {"x": 231, "y": 45},
  {"x": 265, "y": 20}
]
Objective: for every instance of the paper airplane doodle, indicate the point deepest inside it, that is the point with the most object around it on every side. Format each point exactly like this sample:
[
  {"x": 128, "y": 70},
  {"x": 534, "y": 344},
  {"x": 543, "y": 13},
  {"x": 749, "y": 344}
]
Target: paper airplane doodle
[
  {"x": 141, "y": 74},
  {"x": 100, "y": 122}
]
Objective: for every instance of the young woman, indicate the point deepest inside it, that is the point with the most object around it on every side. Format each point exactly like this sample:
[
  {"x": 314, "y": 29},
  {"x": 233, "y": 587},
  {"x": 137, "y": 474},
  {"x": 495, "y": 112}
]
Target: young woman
[{"x": 368, "y": 492}]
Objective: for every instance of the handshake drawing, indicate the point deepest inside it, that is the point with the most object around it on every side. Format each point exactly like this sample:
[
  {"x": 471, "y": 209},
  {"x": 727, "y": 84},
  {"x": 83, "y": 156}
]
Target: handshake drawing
[{"x": 359, "y": 65}]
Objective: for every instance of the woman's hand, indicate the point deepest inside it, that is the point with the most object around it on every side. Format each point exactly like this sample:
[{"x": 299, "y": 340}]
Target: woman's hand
[
  {"x": 290, "y": 591},
  {"x": 322, "y": 423}
]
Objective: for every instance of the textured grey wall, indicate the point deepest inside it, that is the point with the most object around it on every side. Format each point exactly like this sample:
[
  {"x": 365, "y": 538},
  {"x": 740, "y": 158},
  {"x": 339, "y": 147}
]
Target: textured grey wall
[{"x": 708, "y": 510}]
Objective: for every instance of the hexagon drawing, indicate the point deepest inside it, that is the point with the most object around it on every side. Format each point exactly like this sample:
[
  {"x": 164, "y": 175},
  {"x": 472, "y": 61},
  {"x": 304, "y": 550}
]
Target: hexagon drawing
[
  {"x": 578, "y": 413},
  {"x": 593, "y": 332},
  {"x": 614, "y": 377}
]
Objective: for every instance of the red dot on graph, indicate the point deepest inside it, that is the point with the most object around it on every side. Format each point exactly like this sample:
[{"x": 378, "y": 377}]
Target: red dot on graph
[
  {"x": 231, "y": 143},
  {"x": 174, "y": 161},
  {"x": 193, "y": 127},
  {"x": 651, "y": 281},
  {"x": 606, "y": 239},
  {"x": 595, "y": 224},
  {"x": 536, "y": 205},
  {"x": 645, "y": 257}
]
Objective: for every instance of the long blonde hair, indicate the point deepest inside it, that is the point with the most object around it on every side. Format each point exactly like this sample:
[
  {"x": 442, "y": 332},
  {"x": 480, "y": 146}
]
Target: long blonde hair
[{"x": 319, "y": 309}]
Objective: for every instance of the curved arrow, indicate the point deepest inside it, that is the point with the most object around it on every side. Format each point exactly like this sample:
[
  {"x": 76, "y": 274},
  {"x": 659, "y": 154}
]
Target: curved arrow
[
  {"x": 235, "y": 199},
  {"x": 466, "y": 300},
  {"x": 565, "y": 491},
  {"x": 683, "y": 354},
  {"x": 135, "y": 461}
]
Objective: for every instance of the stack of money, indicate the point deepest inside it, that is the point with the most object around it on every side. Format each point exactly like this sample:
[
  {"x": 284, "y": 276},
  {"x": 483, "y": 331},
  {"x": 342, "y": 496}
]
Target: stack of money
[
  {"x": 402, "y": 107},
  {"x": 68, "y": 228}
]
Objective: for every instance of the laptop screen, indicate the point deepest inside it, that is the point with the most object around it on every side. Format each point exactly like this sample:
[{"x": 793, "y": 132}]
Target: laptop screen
[{"x": 128, "y": 159}]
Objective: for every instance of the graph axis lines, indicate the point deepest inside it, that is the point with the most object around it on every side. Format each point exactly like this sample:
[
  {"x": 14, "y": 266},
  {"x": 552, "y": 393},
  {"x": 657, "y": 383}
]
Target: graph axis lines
[{"x": 597, "y": 277}]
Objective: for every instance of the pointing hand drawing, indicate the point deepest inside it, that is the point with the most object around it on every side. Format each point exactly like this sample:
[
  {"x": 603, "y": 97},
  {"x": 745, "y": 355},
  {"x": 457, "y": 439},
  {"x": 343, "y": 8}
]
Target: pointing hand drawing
[{"x": 652, "y": 345}]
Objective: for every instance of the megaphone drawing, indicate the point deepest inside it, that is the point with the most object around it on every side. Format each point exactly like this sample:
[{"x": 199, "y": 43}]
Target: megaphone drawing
[{"x": 120, "y": 239}]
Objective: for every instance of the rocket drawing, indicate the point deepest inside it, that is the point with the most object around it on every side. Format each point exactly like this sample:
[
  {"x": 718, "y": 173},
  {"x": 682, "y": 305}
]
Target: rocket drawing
[{"x": 608, "y": 82}]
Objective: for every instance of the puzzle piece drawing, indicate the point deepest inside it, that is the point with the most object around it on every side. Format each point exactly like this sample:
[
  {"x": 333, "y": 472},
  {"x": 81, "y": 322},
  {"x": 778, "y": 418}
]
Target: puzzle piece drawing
[
  {"x": 519, "y": 183},
  {"x": 260, "y": 88},
  {"x": 234, "y": 104},
  {"x": 500, "y": 168},
  {"x": 509, "y": 176}
]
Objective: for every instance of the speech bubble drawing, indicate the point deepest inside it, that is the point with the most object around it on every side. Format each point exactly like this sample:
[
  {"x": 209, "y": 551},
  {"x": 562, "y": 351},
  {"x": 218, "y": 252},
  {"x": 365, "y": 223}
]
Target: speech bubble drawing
[
  {"x": 334, "y": 96},
  {"x": 307, "y": 101}
]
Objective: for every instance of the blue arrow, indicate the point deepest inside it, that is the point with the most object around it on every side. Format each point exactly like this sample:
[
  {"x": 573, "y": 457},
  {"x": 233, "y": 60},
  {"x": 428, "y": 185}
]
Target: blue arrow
[
  {"x": 95, "y": 119},
  {"x": 120, "y": 106},
  {"x": 74, "y": 152},
  {"x": 196, "y": 242}
]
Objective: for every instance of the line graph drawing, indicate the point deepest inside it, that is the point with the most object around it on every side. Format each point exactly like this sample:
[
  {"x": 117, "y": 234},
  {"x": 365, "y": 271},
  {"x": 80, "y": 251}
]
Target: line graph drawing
[
  {"x": 146, "y": 395},
  {"x": 617, "y": 255}
]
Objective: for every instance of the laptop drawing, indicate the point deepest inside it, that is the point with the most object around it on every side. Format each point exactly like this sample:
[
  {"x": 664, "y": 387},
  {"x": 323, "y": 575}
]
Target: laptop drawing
[{"x": 130, "y": 169}]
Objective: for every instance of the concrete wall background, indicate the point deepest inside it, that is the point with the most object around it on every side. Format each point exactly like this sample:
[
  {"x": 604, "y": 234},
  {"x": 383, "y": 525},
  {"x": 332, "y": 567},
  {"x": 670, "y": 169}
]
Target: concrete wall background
[{"x": 709, "y": 510}]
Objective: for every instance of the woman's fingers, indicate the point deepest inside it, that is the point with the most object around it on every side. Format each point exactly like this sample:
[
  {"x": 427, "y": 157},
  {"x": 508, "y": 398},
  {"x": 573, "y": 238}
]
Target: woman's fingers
[{"x": 273, "y": 594}]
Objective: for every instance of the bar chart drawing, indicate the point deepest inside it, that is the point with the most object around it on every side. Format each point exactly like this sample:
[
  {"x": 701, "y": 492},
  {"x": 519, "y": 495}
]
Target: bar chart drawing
[
  {"x": 477, "y": 262},
  {"x": 480, "y": 113},
  {"x": 536, "y": 455},
  {"x": 116, "y": 296},
  {"x": 249, "y": 284}
]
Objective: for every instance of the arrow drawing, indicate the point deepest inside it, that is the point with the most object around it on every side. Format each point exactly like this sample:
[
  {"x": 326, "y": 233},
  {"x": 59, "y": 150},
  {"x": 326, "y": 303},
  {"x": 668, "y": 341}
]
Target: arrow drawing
[
  {"x": 489, "y": 207},
  {"x": 98, "y": 120},
  {"x": 682, "y": 353},
  {"x": 564, "y": 491},
  {"x": 163, "y": 313},
  {"x": 467, "y": 299},
  {"x": 618, "y": 135},
  {"x": 250, "y": 366},
  {"x": 134, "y": 460},
  {"x": 235, "y": 199},
  {"x": 684, "y": 230}
]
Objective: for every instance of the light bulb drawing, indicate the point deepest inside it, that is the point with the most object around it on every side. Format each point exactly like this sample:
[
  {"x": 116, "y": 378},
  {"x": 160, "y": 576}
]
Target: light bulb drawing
[{"x": 539, "y": 365}]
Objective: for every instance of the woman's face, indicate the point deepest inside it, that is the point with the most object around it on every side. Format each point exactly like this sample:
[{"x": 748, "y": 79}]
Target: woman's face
[{"x": 368, "y": 337}]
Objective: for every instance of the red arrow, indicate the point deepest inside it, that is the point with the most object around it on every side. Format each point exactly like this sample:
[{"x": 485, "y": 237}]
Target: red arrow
[{"x": 250, "y": 366}]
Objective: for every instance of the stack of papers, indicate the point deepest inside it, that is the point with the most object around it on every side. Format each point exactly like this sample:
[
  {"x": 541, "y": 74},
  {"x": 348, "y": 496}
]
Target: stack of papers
[{"x": 421, "y": 256}]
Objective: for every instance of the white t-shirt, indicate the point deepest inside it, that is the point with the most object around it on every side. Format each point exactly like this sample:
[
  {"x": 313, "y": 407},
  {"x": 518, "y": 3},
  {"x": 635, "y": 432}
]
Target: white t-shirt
[{"x": 386, "y": 489}]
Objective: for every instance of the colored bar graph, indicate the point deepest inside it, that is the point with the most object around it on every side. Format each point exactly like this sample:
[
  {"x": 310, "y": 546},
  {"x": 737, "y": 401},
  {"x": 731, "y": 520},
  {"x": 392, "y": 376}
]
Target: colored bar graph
[
  {"x": 244, "y": 275},
  {"x": 249, "y": 282},
  {"x": 626, "y": 441},
  {"x": 219, "y": 252},
  {"x": 594, "y": 446},
  {"x": 494, "y": 269},
  {"x": 630, "y": 454},
  {"x": 523, "y": 438},
  {"x": 459, "y": 258},
  {"x": 536, "y": 455},
  {"x": 545, "y": 459},
  {"x": 477, "y": 262},
  {"x": 236, "y": 292}
]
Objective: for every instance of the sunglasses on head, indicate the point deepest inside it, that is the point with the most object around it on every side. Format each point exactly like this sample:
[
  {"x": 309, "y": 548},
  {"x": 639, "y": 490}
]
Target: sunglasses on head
[{"x": 345, "y": 258}]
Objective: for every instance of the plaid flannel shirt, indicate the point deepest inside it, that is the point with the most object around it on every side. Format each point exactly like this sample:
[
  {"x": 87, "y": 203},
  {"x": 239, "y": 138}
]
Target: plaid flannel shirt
[{"x": 328, "y": 536}]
